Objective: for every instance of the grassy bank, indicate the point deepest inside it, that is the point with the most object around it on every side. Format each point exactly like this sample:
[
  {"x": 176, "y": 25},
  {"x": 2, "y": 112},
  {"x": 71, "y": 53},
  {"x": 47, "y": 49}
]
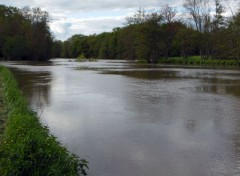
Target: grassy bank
[
  {"x": 27, "y": 147},
  {"x": 3, "y": 112},
  {"x": 196, "y": 60}
]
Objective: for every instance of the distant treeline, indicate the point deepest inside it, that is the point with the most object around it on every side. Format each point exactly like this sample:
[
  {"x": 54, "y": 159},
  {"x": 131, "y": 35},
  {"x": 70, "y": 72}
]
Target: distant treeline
[
  {"x": 151, "y": 35},
  {"x": 24, "y": 34},
  {"x": 147, "y": 35}
]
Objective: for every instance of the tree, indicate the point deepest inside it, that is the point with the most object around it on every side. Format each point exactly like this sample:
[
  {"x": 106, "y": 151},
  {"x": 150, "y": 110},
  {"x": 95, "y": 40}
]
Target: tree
[
  {"x": 234, "y": 42},
  {"x": 103, "y": 49},
  {"x": 57, "y": 48},
  {"x": 113, "y": 43},
  {"x": 218, "y": 27},
  {"x": 65, "y": 49},
  {"x": 127, "y": 43},
  {"x": 149, "y": 35},
  {"x": 147, "y": 27},
  {"x": 199, "y": 10},
  {"x": 146, "y": 42},
  {"x": 138, "y": 17},
  {"x": 11, "y": 19},
  {"x": 185, "y": 40},
  {"x": 32, "y": 40},
  {"x": 14, "y": 48},
  {"x": 40, "y": 38},
  {"x": 168, "y": 13},
  {"x": 143, "y": 16},
  {"x": 74, "y": 47},
  {"x": 219, "y": 21}
]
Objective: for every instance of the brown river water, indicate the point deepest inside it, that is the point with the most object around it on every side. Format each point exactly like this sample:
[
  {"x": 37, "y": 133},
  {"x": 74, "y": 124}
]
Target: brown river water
[{"x": 139, "y": 120}]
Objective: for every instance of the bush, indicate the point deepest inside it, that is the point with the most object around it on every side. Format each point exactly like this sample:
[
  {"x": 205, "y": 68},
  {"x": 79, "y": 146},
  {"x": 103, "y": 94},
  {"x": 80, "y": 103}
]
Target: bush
[{"x": 81, "y": 58}]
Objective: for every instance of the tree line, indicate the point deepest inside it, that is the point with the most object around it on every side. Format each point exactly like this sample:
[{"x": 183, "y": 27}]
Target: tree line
[
  {"x": 150, "y": 35},
  {"x": 24, "y": 34},
  {"x": 146, "y": 35}
]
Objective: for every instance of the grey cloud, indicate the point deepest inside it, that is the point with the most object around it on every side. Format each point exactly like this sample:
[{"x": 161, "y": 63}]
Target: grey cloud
[
  {"x": 19, "y": 4},
  {"x": 70, "y": 17},
  {"x": 60, "y": 29},
  {"x": 86, "y": 5},
  {"x": 85, "y": 26},
  {"x": 88, "y": 16}
]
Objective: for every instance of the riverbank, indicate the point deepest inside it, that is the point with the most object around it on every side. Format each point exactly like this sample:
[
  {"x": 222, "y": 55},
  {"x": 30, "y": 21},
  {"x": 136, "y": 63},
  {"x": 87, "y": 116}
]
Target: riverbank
[
  {"x": 196, "y": 60},
  {"x": 3, "y": 111},
  {"x": 27, "y": 147}
]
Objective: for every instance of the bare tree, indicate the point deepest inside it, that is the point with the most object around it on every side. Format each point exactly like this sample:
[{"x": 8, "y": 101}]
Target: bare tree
[
  {"x": 35, "y": 15},
  {"x": 218, "y": 21},
  {"x": 143, "y": 16},
  {"x": 168, "y": 13},
  {"x": 199, "y": 10},
  {"x": 138, "y": 17}
]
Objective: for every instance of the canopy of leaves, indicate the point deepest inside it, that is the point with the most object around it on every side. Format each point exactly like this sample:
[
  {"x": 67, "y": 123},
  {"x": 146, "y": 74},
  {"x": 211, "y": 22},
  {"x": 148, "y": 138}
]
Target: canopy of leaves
[{"x": 24, "y": 34}]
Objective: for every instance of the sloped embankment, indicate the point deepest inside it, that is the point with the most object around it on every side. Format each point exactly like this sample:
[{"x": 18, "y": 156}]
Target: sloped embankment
[{"x": 27, "y": 147}]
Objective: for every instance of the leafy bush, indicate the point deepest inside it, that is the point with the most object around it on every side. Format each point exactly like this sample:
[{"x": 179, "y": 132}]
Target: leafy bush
[{"x": 81, "y": 58}]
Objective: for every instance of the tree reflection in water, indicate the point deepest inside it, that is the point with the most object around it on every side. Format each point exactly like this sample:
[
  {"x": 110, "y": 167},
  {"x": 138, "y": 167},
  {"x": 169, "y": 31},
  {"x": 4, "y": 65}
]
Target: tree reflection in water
[{"x": 35, "y": 87}]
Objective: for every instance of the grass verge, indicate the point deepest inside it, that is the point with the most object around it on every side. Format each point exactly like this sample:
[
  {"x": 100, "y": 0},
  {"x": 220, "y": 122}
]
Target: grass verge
[
  {"x": 196, "y": 60},
  {"x": 3, "y": 112},
  {"x": 27, "y": 148}
]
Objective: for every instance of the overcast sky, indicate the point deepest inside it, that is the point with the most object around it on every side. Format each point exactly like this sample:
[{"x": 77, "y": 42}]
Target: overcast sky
[{"x": 86, "y": 17}]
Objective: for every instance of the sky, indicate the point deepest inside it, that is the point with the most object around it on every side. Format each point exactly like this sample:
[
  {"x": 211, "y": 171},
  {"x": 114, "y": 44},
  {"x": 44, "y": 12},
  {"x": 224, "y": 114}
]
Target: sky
[{"x": 69, "y": 17}]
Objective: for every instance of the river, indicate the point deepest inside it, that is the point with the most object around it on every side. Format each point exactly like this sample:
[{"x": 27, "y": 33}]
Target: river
[{"x": 139, "y": 120}]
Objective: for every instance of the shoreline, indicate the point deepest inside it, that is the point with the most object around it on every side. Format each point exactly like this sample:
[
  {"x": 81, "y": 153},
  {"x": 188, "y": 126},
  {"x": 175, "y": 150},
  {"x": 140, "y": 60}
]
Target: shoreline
[
  {"x": 193, "y": 62},
  {"x": 28, "y": 147}
]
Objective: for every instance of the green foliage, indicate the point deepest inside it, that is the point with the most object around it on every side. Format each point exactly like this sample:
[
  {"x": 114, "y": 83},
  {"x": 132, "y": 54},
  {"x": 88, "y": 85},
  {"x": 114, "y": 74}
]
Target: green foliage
[
  {"x": 24, "y": 34},
  {"x": 81, "y": 58},
  {"x": 57, "y": 47},
  {"x": 147, "y": 36},
  {"x": 196, "y": 60},
  {"x": 14, "y": 47},
  {"x": 27, "y": 147}
]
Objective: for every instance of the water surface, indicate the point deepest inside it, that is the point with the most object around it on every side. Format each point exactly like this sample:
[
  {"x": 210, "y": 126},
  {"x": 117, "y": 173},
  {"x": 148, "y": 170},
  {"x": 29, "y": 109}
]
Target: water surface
[{"x": 139, "y": 120}]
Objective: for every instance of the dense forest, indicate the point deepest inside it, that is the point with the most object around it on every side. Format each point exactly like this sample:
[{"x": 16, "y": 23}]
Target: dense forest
[
  {"x": 201, "y": 30},
  {"x": 24, "y": 34}
]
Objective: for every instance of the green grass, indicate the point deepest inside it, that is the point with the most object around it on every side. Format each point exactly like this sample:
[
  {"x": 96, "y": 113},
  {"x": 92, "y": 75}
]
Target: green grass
[
  {"x": 27, "y": 147},
  {"x": 3, "y": 113},
  {"x": 142, "y": 61},
  {"x": 196, "y": 60}
]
